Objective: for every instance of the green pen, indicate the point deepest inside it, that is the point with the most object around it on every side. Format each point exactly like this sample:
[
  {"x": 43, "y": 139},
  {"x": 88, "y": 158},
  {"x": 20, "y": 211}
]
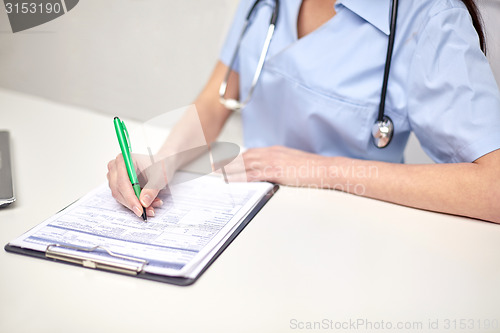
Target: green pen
[{"x": 124, "y": 141}]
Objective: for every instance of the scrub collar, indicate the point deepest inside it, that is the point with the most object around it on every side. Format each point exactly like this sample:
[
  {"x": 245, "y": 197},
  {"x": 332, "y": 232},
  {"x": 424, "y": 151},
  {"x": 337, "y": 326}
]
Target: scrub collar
[{"x": 375, "y": 12}]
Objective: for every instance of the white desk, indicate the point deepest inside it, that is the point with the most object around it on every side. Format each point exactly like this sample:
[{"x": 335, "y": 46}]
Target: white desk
[{"x": 309, "y": 255}]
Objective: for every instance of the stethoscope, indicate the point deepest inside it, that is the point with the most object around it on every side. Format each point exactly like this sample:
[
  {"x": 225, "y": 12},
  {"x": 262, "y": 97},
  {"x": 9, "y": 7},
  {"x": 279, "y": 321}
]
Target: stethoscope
[{"x": 383, "y": 128}]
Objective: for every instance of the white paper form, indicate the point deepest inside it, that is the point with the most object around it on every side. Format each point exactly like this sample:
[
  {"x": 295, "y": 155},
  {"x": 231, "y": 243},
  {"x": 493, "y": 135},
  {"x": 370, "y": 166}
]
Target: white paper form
[{"x": 182, "y": 237}]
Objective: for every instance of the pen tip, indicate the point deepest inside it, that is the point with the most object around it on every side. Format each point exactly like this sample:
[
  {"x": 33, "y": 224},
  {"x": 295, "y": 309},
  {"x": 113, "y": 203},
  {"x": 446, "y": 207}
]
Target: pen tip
[{"x": 144, "y": 216}]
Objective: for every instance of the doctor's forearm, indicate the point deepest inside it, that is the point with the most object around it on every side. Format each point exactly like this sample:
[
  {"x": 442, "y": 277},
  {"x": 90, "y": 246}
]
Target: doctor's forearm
[
  {"x": 212, "y": 113},
  {"x": 209, "y": 113},
  {"x": 467, "y": 189}
]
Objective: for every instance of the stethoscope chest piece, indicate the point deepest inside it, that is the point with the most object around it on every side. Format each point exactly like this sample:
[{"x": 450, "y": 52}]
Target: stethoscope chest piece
[{"x": 382, "y": 132}]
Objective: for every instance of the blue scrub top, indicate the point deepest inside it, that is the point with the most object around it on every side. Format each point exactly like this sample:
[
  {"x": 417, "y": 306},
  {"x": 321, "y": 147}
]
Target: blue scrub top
[{"x": 321, "y": 93}]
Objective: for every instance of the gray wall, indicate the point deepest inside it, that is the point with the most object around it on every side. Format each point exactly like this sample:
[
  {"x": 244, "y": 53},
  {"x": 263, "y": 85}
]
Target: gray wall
[
  {"x": 139, "y": 58},
  {"x": 133, "y": 58}
]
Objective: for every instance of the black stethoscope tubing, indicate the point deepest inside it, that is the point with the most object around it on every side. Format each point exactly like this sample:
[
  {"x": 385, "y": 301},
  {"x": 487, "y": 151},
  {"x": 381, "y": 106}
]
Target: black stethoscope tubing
[{"x": 383, "y": 129}]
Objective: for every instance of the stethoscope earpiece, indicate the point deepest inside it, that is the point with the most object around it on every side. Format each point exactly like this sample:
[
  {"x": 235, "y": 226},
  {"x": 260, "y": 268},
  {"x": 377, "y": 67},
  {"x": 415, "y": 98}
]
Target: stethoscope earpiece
[{"x": 382, "y": 132}]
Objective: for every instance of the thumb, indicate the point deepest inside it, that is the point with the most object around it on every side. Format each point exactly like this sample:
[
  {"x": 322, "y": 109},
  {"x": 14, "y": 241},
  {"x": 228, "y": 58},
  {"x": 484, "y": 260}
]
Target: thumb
[{"x": 147, "y": 196}]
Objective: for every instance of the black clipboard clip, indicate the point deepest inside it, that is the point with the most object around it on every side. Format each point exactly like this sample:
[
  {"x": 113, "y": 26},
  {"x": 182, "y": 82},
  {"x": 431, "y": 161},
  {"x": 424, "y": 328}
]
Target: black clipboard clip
[{"x": 96, "y": 263}]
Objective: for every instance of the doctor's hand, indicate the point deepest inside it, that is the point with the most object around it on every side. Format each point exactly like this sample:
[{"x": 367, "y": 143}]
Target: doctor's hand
[
  {"x": 122, "y": 190},
  {"x": 281, "y": 165}
]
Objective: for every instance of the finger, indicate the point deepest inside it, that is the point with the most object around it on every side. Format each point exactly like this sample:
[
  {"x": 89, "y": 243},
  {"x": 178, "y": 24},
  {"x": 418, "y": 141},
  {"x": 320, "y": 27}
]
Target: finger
[
  {"x": 150, "y": 211},
  {"x": 136, "y": 209},
  {"x": 111, "y": 165},
  {"x": 124, "y": 192},
  {"x": 157, "y": 203},
  {"x": 148, "y": 195},
  {"x": 128, "y": 198}
]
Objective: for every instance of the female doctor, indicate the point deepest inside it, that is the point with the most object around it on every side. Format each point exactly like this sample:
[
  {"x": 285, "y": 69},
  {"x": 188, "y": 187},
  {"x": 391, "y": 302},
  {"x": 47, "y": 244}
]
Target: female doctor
[{"x": 318, "y": 103}]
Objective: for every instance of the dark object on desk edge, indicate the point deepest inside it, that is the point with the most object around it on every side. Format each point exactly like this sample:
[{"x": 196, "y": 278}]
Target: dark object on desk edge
[
  {"x": 7, "y": 187},
  {"x": 179, "y": 281}
]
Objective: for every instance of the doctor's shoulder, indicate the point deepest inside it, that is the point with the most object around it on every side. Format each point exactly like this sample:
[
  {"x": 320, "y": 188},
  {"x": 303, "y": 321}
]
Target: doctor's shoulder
[{"x": 426, "y": 12}]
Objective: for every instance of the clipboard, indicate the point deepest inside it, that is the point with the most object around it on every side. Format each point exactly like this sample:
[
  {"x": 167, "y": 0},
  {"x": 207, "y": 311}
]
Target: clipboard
[{"x": 131, "y": 266}]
